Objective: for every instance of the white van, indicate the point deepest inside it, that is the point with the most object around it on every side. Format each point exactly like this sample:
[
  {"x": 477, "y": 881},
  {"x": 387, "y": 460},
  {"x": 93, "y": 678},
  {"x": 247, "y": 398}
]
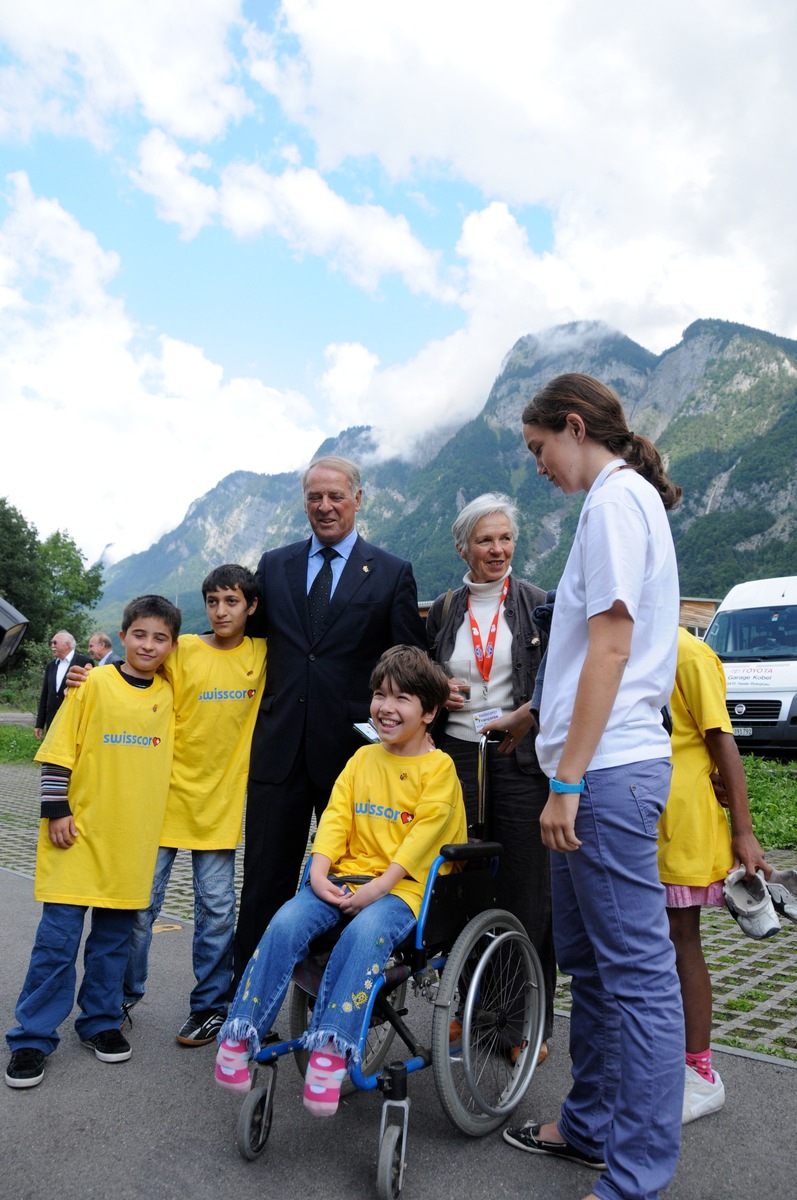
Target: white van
[{"x": 754, "y": 632}]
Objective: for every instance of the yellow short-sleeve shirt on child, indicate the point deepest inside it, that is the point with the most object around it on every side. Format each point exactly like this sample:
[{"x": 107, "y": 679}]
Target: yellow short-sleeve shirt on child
[
  {"x": 216, "y": 698},
  {"x": 389, "y": 808},
  {"x": 117, "y": 741},
  {"x": 694, "y": 837}
]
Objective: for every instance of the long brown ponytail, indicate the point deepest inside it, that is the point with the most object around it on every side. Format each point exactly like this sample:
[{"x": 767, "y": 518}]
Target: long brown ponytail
[{"x": 604, "y": 420}]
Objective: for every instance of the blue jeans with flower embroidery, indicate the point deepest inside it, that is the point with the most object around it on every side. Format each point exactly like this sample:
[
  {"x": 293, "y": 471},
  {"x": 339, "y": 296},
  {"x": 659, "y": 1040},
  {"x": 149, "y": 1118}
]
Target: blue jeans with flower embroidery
[{"x": 365, "y": 944}]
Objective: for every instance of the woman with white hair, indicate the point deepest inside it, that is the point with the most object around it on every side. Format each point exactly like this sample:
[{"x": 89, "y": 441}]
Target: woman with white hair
[{"x": 485, "y": 635}]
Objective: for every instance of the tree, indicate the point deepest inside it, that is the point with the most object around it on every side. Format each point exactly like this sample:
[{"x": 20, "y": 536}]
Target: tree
[
  {"x": 47, "y": 581},
  {"x": 22, "y": 577},
  {"x": 74, "y": 589}
]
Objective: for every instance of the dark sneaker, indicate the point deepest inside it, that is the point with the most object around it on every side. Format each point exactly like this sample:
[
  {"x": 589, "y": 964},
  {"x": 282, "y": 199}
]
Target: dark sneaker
[
  {"x": 26, "y": 1068},
  {"x": 127, "y": 1005},
  {"x": 110, "y": 1046},
  {"x": 527, "y": 1138},
  {"x": 200, "y": 1028}
]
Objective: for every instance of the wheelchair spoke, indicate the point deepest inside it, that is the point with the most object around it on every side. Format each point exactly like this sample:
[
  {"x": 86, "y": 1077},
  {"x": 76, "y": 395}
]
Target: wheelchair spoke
[{"x": 496, "y": 996}]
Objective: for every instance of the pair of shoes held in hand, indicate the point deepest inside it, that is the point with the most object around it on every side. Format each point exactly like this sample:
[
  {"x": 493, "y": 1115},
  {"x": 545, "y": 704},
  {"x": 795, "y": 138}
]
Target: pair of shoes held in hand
[{"x": 755, "y": 903}]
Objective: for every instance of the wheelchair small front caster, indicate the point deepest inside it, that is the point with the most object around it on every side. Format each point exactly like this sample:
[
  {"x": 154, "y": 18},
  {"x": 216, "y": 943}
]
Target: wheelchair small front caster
[
  {"x": 254, "y": 1121},
  {"x": 390, "y": 1169}
]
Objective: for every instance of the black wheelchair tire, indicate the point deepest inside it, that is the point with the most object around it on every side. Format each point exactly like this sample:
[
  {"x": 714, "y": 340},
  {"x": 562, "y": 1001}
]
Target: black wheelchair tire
[
  {"x": 254, "y": 1120},
  {"x": 388, "y": 1170},
  {"x": 480, "y": 1084}
]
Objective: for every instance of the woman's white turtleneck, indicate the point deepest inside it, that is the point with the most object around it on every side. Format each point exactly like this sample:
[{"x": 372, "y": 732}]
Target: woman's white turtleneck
[{"x": 484, "y": 599}]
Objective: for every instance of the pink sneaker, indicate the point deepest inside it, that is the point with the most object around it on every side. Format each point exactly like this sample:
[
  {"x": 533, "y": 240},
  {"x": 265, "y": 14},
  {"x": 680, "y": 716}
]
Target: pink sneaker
[
  {"x": 326, "y": 1071},
  {"x": 232, "y": 1067}
]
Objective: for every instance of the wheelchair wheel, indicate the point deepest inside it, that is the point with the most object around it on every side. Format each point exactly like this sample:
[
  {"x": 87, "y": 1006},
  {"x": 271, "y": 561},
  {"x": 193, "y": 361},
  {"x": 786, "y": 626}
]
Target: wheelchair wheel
[
  {"x": 492, "y": 986},
  {"x": 377, "y": 1045},
  {"x": 388, "y": 1170},
  {"x": 254, "y": 1120}
]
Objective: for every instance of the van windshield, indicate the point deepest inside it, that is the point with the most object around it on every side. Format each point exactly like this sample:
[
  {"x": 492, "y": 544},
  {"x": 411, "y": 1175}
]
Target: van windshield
[{"x": 755, "y": 633}]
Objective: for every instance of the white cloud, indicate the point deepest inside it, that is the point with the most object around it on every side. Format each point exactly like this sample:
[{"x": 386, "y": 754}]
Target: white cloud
[
  {"x": 107, "y": 434},
  {"x": 363, "y": 241},
  {"x": 165, "y": 172},
  {"x": 81, "y": 64},
  {"x": 658, "y": 136},
  {"x": 347, "y": 381}
]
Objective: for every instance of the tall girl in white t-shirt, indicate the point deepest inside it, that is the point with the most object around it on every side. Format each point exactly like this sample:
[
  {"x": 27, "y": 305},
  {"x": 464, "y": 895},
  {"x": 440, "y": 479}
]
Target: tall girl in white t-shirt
[{"x": 610, "y": 669}]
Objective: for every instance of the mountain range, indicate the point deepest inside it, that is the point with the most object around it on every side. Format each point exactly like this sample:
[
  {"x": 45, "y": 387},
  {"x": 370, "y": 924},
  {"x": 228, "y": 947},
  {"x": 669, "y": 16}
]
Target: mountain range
[{"x": 721, "y": 406}]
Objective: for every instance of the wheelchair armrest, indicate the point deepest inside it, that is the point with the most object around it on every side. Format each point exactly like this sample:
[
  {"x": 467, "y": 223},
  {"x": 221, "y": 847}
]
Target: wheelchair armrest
[{"x": 470, "y": 851}]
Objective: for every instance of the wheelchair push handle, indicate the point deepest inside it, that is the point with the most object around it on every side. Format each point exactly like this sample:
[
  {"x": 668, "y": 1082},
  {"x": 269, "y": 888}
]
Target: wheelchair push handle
[{"x": 494, "y": 737}]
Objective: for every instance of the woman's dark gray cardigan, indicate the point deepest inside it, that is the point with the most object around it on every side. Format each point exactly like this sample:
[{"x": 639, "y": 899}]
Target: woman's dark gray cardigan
[{"x": 528, "y": 645}]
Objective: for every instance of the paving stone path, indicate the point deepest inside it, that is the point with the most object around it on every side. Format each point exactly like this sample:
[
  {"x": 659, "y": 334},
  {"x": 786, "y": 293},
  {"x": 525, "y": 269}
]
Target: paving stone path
[{"x": 755, "y": 983}]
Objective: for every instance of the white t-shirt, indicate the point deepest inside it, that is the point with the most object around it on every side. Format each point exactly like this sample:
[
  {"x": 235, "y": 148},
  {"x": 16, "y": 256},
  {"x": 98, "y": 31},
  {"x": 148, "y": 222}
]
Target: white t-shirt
[{"x": 622, "y": 550}]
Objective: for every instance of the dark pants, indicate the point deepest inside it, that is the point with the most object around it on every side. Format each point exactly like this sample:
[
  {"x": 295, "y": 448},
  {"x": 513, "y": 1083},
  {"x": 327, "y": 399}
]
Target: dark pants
[
  {"x": 516, "y": 801},
  {"x": 278, "y": 819}
]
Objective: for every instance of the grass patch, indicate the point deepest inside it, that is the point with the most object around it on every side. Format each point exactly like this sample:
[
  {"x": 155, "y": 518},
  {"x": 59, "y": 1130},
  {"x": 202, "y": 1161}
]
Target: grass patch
[
  {"x": 18, "y": 744},
  {"x": 772, "y": 787},
  {"x": 775, "y": 1051}
]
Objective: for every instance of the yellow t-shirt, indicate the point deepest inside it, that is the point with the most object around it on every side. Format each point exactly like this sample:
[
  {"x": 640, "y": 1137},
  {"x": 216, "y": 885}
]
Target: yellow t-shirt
[
  {"x": 694, "y": 836},
  {"x": 117, "y": 741},
  {"x": 216, "y": 698},
  {"x": 387, "y": 808}
]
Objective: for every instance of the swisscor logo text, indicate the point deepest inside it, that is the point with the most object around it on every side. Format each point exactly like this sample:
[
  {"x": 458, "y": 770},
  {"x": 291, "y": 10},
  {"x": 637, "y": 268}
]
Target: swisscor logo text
[
  {"x": 379, "y": 810},
  {"x": 221, "y": 694},
  {"x": 130, "y": 739}
]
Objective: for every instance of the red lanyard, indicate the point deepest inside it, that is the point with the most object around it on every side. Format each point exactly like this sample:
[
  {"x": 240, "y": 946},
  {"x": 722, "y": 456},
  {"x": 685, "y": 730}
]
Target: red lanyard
[{"x": 484, "y": 658}]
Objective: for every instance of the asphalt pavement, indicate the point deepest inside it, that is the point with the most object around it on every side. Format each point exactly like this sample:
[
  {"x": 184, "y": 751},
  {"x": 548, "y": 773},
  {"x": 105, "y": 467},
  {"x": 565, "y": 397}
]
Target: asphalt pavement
[{"x": 157, "y": 1126}]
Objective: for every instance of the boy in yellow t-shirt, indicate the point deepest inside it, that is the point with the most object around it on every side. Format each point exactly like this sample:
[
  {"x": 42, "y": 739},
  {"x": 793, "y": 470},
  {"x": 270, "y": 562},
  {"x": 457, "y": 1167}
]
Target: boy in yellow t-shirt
[
  {"x": 106, "y": 766},
  {"x": 218, "y": 680}
]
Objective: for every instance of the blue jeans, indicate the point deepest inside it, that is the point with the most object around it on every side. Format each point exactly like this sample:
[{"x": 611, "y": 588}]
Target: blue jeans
[
  {"x": 626, "y": 1025},
  {"x": 366, "y": 942},
  {"x": 48, "y": 992},
  {"x": 214, "y": 926}
]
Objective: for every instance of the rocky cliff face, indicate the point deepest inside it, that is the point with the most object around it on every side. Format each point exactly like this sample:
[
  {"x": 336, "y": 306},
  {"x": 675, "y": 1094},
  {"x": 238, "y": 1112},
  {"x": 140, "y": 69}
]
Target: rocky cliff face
[{"x": 721, "y": 405}]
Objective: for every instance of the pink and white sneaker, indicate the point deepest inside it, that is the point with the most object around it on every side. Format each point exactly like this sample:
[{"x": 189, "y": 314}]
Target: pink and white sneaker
[
  {"x": 326, "y": 1071},
  {"x": 232, "y": 1067}
]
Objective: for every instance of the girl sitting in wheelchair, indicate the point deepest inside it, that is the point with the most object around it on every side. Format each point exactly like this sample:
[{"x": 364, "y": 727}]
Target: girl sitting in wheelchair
[{"x": 392, "y": 808}]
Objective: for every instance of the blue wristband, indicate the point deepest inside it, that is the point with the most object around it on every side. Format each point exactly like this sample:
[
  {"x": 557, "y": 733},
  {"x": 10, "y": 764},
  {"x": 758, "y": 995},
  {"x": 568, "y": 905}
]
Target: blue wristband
[{"x": 556, "y": 786}]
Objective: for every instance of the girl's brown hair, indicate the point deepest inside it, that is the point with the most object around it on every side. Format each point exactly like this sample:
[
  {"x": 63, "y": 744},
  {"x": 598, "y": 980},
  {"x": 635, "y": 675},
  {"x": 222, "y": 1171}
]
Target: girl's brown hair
[{"x": 604, "y": 420}]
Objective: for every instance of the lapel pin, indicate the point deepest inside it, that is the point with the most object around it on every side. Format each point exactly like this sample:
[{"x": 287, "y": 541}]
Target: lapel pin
[{"x": 365, "y": 568}]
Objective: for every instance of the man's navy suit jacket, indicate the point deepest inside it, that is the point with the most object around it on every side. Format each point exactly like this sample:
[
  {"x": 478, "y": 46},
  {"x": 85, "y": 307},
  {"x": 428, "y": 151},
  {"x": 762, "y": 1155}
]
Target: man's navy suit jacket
[{"x": 320, "y": 688}]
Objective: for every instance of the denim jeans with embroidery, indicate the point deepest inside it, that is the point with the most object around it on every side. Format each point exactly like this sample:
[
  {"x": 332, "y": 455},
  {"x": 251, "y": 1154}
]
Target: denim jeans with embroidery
[{"x": 366, "y": 942}]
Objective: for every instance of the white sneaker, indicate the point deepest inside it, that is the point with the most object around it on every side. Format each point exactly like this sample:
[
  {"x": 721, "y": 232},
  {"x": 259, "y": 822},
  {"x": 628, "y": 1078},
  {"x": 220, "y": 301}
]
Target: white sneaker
[
  {"x": 782, "y": 887},
  {"x": 700, "y": 1096},
  {"x": 750, "y": 904}
]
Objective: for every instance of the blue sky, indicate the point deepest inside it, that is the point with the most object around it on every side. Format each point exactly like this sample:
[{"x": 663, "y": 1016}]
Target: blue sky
[{"x": 229, "y": 230}]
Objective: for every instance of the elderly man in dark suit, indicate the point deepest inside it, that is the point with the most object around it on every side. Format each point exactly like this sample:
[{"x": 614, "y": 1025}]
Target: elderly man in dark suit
[
  {"x": 52, "y": 694},
  {"x": 101, "y": 649},
  {"x": 329, "y": 607}
]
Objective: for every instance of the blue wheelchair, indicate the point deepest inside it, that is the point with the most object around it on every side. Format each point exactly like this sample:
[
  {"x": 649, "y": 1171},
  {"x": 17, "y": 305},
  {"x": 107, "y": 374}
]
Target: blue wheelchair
[{"x": 475, "y": 966}]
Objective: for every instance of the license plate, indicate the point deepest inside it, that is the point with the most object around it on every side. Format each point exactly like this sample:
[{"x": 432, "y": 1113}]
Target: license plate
[{"x": 742, "y": 731}]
